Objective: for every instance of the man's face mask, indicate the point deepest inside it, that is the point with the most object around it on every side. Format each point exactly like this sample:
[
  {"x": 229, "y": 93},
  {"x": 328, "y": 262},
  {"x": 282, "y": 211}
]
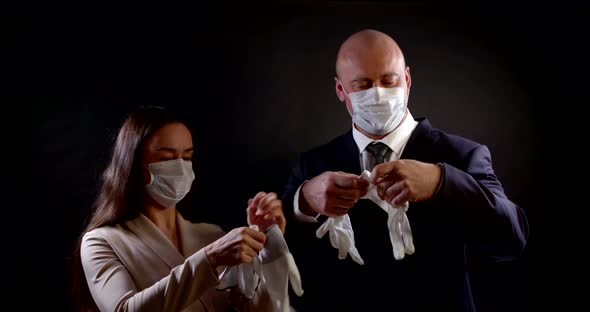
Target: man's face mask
[
  {"x": 170, "y": 181},
  {"x": 377, "y": 110}
]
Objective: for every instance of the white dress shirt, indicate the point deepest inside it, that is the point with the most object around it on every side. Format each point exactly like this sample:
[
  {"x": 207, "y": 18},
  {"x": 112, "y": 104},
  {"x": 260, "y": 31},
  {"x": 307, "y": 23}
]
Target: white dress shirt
[{"x": 396, "y": 140}]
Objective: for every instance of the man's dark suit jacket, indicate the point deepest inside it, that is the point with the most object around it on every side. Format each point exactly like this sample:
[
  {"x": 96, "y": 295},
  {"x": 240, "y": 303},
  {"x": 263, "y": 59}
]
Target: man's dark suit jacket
[{"x": 470, "y": 212}]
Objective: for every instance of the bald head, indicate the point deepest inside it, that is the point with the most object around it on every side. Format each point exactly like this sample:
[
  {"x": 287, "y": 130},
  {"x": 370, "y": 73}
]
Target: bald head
[
  {"x": 366, "y": 44},
  {"x": 369, "y": 59}
]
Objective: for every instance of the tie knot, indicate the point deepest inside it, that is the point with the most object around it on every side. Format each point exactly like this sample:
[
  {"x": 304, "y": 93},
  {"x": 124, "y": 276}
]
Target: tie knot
[{"x": 378, "y": 149}]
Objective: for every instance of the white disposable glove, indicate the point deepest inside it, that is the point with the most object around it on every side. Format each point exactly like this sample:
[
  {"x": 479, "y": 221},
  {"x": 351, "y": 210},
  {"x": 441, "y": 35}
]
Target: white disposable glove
[
  {"x": 274, "y": 266},
  {"x": 400, "y": 232},
  {"x": 341, "y": 237},
  {"x": 245, "y": 276},
  {"x": 279, "y": 269}
]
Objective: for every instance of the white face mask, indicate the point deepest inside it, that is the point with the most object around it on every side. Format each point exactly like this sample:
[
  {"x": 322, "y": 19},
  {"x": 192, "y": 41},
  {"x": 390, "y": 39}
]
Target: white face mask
[
  {"x": 377, "y": 110},
  {"x": 170, "y": 181}
]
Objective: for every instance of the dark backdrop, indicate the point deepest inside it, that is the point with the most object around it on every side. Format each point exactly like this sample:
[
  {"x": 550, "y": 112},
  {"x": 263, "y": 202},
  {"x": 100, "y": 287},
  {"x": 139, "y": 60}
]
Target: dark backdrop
[{"x": 258, "y": 89}]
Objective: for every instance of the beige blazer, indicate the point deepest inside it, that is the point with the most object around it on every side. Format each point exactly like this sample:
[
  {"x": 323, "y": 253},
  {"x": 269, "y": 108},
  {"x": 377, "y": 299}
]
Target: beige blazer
[{"x": 134, "y": 267}]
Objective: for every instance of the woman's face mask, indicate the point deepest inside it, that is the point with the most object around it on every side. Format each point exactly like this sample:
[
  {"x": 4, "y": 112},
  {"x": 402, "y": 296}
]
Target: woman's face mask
[{"x": 170, "y": 181}]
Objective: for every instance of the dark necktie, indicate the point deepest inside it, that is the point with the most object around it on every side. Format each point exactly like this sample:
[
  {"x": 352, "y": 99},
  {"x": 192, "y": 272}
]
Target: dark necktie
[{"x": 378, "y": 153}]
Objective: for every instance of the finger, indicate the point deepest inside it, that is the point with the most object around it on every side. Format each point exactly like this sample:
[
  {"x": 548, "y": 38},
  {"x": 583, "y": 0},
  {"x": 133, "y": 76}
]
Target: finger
[
  {"x": 333, "y": 239},
  {"x": 251, "y": 210},
  {"x": 348, "y": 180},
  {"x": 253, "y": 244},
  {"x": 382, "y": 170},
  {"x": 275, "y": 204},
  {"x": 246, "y": 258},
  {"x": 266, "y": 200},
  {"x": 401, "y": 198},
  {"x": 248, "y": 251},
  {"x": 257, "y": 198},
  {"x": 274, "y": 216},
  {"x": 322, "y": 230},
  {"x": 336, "y": 211},
  {"x": 342, "y": 203},
  {"x": 393, "y": 191},
  {"x": 256, "y": 235},
  {"x": 384, "y": 185},
  {"x": 350, "y": 194},
  {"x": 251, "y": 214},
  {"x": 281, "y": 222}
]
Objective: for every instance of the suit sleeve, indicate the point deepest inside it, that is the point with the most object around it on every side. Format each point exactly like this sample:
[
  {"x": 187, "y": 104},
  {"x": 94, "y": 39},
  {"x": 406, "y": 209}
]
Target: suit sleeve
[
  {"x": 113, "y": 289},
  {"x": 301, "y": 172},
  {"x": 297, "y": 177},
  {"x": 493, "y": 224}
]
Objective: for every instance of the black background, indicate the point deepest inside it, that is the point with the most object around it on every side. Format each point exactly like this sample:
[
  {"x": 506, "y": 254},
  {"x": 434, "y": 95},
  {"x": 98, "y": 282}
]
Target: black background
[{"x": 258, "y": 89}]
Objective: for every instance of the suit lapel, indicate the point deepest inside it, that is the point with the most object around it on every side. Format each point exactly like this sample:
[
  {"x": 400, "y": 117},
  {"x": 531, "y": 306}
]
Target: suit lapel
[
  {"x": 189, "y": 240},
  {"x": 419, "y": 146},
  {"x": 348, "y": 157},
  {"x": 149, "y": 233}
]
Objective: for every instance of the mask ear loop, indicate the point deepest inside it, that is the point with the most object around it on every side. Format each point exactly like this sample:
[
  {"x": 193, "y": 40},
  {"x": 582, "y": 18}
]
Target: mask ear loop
[
  {"x": 344, "y": 90},
  {"x": 151, "y": 174}
]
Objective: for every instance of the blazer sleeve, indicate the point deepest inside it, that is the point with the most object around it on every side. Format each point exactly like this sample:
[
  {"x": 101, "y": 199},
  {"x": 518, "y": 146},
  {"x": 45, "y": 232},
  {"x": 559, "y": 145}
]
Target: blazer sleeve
[
  {"x": 113, "y": 289},
  {"x": 296, "y": 178},
  {"x": 493, "y": 225}
]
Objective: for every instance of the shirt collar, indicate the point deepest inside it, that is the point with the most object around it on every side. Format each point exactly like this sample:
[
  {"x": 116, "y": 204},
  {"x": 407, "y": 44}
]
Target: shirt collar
[{"x": 395, "y": 140}]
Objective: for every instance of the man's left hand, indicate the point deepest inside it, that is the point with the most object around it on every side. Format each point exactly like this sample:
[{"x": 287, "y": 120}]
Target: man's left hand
[{"x": 406, "y": 180}]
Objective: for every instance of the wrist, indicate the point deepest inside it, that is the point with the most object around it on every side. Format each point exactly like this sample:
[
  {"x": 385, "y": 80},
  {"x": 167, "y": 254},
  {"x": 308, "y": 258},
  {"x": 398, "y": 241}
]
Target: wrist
[
  {"x": 304, "y": 205},
  {"x": 210, "y": 256},
  {"x": 441, "y": 170}
]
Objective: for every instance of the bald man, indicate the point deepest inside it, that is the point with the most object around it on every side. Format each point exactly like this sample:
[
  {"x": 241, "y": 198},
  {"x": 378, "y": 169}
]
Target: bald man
[{"x": 456, "y": 203}]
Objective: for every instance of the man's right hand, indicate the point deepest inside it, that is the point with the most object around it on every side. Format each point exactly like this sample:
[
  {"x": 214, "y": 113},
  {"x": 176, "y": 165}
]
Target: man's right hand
[
  {"x": 238, "y": 246},
  {"x": 331, "y": 193}
]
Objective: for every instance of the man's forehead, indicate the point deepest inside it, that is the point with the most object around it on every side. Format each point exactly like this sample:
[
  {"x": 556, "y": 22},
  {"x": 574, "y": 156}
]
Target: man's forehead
[{"x": 365, "y": 67}]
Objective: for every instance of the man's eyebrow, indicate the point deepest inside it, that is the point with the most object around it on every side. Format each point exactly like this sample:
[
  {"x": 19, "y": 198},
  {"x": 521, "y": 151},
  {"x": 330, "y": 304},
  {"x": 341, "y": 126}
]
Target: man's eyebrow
[
  {"x": 390, "y": 74},
  {"x": 359, "y": 79}
]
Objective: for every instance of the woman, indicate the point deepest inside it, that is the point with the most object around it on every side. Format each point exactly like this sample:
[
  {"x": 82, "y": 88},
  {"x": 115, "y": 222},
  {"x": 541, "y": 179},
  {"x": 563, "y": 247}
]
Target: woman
[{"x": 138, "y": 253}]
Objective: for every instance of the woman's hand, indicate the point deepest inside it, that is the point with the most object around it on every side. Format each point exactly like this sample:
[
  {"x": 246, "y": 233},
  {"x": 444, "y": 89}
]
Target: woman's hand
[
  {"x": 238, "y": 246},
  {"x": 265, "y": 210}
]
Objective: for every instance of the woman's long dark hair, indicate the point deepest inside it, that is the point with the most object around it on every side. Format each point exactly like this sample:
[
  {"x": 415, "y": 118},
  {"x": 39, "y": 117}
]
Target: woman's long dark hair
[{"x": 120, "y": 196}]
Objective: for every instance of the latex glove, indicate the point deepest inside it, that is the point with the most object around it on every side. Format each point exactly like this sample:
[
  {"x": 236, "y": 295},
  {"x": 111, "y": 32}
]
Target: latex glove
[
  {"x": 400, "y": 232},
  {"x": 341, "y": 237},
  {"x": 279, "y": 270},
  {"x": 245, "y": 276},
  {"x": 274, "y": 266}
]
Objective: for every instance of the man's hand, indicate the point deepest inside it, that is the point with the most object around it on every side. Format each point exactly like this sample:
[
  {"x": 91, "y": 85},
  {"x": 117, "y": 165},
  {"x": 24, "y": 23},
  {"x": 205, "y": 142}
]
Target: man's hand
[
  {"x": 265, "y": 210},
  {"x": 406, "y": 180},
  {"x": 331, "y": 193}
]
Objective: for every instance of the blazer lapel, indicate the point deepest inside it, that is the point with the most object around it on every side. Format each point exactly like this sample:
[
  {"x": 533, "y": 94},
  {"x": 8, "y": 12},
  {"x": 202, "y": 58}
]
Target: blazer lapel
[
  {"x": 189, "y": 239},
  {"x": 419, "y": 146},
  {"x": 149, "y": 233},
  {"x": 349, "y": 155}
]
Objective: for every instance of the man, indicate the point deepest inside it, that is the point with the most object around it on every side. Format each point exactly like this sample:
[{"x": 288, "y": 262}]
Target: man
[{"x": 456, "y": 203}]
